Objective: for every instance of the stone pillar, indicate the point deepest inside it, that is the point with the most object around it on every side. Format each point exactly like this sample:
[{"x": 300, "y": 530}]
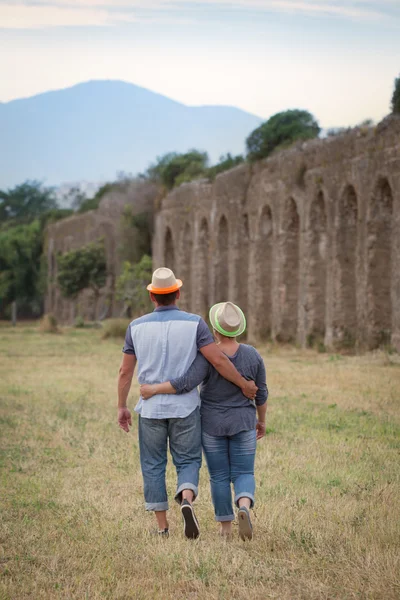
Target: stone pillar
[
  {"x": 223, "y": 261},
  {"x": 251, "y": 317},
  {"x": 380, "y": 264},
  {"x": 185, "y": 265},
  {"x": 314, "y": 273},
  {"x": 330, "y": 272},
  {"x": 346, "y": 261},
  {"x": 288, "y": 291},
  {"x": 262, "y": 256},
  {"x": 169, "y": 249},
  {"x": 202, "y": 274}
]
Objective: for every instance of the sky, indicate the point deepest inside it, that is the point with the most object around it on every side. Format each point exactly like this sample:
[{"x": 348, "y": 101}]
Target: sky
[{"x": 336, "y": 58}]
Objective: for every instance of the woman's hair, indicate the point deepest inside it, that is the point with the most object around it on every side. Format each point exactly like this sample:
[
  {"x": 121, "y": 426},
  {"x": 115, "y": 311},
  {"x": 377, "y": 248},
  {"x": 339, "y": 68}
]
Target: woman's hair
[{"x": 221, "y": 335}]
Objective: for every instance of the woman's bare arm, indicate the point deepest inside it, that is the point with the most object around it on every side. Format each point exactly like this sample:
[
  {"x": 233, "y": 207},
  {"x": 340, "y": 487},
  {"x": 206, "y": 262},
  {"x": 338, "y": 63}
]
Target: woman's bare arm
[
  {"x": 261, "y": 415},
  {"x": 148, "y": 390},
  {"x": 195, "y": 374}
]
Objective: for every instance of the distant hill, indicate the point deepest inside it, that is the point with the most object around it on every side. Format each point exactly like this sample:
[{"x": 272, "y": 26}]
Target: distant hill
[{"x": 94, "y": 129}]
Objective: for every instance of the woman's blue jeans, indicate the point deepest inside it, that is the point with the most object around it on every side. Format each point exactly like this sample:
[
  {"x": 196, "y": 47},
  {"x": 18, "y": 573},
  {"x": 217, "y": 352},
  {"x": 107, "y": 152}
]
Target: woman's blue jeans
[{"x": 230, "y": 459}]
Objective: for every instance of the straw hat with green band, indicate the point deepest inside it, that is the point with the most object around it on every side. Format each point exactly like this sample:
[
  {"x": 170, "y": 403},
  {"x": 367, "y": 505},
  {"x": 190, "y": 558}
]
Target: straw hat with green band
[{"x": 228, "y": 319}]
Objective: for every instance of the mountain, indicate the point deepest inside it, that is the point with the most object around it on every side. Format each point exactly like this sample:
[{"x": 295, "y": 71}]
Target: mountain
[{"x": 92, "y": 130}]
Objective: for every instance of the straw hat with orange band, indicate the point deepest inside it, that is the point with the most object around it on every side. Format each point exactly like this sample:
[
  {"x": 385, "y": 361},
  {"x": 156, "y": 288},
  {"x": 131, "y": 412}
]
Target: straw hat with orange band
[{"x": 164, "y": 282}]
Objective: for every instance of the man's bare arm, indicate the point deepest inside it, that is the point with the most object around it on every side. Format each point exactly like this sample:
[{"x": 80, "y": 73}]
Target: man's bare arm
[
  {"x": 125, "y": 375},
  {"x": 223, "y": 365}
]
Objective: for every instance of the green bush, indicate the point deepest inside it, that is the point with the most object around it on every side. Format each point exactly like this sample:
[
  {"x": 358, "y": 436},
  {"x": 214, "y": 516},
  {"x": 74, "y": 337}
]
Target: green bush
[
  {"x": 131, "y": 286},
  {"x": 115, "y": 328},
  {"x": 48, "y": 324},
  {"x": 172, "y": 169},
  {"x": 83, "y": 268},
  {"x": 79, "y": 322},
  {"x": 280, "y": 131},
  {"x": 396, "y": 97},
  {"x": 225, "y": 163}
]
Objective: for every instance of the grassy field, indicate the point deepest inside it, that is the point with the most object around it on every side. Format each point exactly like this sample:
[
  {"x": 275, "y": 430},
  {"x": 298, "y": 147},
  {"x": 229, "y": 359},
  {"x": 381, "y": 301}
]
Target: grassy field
[{"x": 72, "y": 523}]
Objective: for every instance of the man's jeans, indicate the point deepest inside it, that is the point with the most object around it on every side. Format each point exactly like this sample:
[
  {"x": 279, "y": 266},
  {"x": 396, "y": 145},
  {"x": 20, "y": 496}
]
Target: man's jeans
[
  {"x": 230, "y": 459},
  {"x": 184, "y": 437}
]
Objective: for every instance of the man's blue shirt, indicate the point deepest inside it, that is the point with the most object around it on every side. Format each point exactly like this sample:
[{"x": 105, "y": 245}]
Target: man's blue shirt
[{"x": 165, "y": 343}]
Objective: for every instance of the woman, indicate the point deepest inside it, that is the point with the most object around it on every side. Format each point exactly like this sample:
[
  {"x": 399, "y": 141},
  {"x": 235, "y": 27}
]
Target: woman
[{"x": 229, "y": 425}]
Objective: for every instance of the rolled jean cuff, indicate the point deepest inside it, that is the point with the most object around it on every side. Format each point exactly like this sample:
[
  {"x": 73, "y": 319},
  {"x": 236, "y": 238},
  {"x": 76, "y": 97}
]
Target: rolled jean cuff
[
  {"x": 186, "y": 486},
  {"x": 224, "y": 518},
  {"x": 244, "y": 495},
  {"x": 156, "y": 506}
]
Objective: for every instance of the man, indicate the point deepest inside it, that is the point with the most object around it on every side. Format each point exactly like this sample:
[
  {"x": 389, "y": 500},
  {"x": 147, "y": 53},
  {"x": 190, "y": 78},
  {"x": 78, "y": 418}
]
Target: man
[{"x": 164, "y": 344}]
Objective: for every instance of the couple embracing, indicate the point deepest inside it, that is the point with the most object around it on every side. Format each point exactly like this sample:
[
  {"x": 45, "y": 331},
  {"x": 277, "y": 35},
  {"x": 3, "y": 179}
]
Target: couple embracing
[{"x": 175, "y": 352}]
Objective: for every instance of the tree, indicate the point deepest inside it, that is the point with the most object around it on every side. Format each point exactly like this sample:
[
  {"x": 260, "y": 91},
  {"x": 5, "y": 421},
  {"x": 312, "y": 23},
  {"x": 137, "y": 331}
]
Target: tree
[
  {"x": 131, "y": 286},
  {"x": 79, "y": 202},
  {"x": 225, "y": 163},
  {"x": 25, "y": 210},
  {"x": 53, "y": 215},
  {"x": 75, "y": 198},
  {"x": 26, "y": 202},
  {"x": 172, "y": 169},
  {"x": 20, "y": 254},
  {"x": 396, "y": 97},
  {"x": 279, "y": 131},
  {"x": 83, "y": 268},
  {"x": 155, "y": 171}
]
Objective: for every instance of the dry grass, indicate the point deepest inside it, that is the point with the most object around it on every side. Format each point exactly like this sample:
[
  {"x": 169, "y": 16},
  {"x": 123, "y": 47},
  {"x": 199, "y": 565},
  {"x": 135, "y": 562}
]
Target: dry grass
[{"x": 72, "y": 523}]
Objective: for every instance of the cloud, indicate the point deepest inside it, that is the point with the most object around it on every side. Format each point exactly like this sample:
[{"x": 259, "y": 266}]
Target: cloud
[
  {"x": 359, "y": 9},
  {"x": 21, "y": 16},
  {"x": 100, "y": 13}
]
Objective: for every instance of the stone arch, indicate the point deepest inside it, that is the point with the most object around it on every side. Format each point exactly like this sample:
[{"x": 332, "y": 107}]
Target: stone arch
[
  {"x": 380, "y": 263},
  {"x": 264, "y": 269},
  {"x": 289, "y": 288},
  {"x": 317, "y": 269},
  {"x": 242, "y": 268},
  {"x": 203, "y": 270},
  {"x": 186, "y": 268},
  {"x": 169, "y": 251},
  {"x": 52, "y": 265},
  {"x": 346, "y": 244},
  {"x": 222, "y": 270}
]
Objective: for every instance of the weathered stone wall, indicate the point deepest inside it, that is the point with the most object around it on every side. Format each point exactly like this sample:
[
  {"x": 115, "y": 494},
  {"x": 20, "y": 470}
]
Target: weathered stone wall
[
  {"x": 307, "y": 242},
  {"x": 78, "y": 230}
]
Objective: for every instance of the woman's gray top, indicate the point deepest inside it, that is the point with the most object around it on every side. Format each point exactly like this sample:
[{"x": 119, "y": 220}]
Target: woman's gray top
[{"x": 225, "y": 411}]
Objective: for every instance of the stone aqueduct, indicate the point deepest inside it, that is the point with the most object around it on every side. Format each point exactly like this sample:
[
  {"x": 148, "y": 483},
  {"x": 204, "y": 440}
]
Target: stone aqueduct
[{"x": 307, "y": 242}]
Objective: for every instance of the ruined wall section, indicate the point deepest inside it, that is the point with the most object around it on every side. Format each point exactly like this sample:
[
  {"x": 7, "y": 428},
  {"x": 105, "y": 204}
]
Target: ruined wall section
[
  {"x": 307, "y": 241},
  {"x": 79, "y": 230}
]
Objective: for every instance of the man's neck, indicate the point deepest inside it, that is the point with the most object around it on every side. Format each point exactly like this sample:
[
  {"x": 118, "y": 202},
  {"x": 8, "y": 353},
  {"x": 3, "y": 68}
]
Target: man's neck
[{"x": 166, "y": 306}]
